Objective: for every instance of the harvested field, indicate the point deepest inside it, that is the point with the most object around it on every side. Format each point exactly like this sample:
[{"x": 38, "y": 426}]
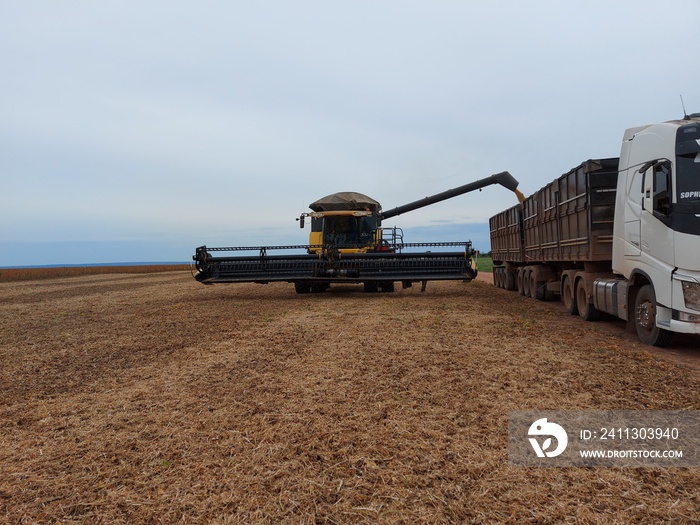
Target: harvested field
[
  {"x": 150, "y": 398},
  {"x": 33, "y": 274}
]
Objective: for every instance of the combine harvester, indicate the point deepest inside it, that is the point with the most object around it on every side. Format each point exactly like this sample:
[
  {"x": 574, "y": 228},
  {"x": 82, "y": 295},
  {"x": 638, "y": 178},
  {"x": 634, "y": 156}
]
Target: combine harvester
[{"x": 348, "y": 244}]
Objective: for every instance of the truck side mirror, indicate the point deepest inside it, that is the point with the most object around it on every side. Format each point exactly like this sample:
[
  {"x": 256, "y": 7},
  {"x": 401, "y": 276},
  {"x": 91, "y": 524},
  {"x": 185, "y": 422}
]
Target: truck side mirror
[{"x": 301, "y": 221}]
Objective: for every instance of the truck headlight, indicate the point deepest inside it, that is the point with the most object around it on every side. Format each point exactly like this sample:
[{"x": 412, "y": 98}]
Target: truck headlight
[{"x": 691, "y": 295}]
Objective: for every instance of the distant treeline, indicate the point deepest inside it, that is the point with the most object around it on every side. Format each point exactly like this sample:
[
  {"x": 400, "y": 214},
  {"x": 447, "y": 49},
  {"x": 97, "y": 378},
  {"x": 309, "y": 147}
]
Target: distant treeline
[{"x": 30, "y": 274}]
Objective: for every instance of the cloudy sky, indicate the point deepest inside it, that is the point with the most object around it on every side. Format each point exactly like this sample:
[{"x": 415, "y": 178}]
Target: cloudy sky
[{"x": 136, "y": 131}]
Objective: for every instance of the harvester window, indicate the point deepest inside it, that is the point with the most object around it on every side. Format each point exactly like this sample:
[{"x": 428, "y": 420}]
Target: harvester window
[{"x": 347, "y": 231}]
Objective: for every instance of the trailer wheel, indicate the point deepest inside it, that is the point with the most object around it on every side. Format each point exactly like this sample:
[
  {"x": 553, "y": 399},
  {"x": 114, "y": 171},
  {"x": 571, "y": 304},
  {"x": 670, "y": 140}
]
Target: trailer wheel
[
  {"x": 509, "y": 280},
  {"x": 520, "y": 281},
  {"x": 645, "y": 319},
  {"x": 586, "y": 310},
  {"x": 371, "y": 286},
  {"x": 538, "y": 289},
  {"x": 526, "y": 281},
  {"x": 387, "y": 286},
  {"x": 567, "y": 295}
]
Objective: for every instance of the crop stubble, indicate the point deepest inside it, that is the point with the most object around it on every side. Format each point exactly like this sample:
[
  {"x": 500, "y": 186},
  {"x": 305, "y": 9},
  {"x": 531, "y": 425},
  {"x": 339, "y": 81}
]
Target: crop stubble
[{"x": 151, "y": 398}]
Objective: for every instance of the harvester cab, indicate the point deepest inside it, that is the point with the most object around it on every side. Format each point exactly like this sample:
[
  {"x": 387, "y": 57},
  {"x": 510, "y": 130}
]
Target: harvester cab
[
  {"x": 347, "y": 221},
  {"x": 347, "y": 244}
]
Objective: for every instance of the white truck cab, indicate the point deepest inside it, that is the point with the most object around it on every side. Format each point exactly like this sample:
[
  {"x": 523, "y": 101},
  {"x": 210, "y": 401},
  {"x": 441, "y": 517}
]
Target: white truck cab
[{"x": 656, "y": 233}]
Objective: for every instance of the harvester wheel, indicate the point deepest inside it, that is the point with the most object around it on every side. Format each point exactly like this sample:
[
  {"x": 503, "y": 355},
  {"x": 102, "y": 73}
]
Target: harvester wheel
[{"x": 302, "y": 287}]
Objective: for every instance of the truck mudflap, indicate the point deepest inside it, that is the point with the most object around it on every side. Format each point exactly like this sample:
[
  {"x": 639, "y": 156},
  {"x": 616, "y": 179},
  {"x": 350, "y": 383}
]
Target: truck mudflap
[{"x": 403, "y": 262}]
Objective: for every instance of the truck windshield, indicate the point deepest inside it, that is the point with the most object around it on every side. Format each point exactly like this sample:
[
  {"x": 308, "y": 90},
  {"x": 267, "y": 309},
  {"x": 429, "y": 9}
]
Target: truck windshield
[{"x": 688, "y": 164}]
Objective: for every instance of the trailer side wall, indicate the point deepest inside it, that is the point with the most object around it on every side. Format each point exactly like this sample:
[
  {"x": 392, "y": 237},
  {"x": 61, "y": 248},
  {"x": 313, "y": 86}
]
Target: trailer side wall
[
  {"x": 569, "y": 220},
  {"x": 507, "y": 236}
]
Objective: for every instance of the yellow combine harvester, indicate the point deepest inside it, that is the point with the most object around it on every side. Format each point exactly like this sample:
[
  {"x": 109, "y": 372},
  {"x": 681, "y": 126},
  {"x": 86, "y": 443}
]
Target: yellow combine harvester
[{"x": 348, "y": 244}]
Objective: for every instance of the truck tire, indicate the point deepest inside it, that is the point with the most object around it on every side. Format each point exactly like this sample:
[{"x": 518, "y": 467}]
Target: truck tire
[
  {"x": 567, "y": 295},
  {"x": 371, "y": 286},
  {"x": 586, "y": 310},
  {"x": 645, "y": 318}
]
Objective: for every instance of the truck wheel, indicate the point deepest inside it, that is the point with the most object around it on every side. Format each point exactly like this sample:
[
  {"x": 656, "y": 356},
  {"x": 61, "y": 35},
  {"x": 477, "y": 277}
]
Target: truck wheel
[
  {"x": 586, "y": 310},
  {"x": 567, "y": 295},
  {"x": 645, "y": 319},
  {"x": 387, "y": 286},
  {"x": 371, "y": 286}
]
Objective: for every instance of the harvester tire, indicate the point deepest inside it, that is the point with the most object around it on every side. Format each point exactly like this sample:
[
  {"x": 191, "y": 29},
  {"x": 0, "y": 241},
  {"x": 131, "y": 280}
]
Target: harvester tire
[
  {"x": 302, "y": 287},
  {"x": 387, "y": 286}
]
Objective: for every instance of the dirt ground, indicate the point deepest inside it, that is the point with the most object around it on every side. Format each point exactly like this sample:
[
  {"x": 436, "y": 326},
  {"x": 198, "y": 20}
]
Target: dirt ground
[{"x": 154, "y": 399}]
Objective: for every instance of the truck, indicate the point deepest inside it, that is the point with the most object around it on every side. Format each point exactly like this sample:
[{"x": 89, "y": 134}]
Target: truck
[
  {"x": 616, "y": 236},
  {"x": 348, "y": 244}
]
